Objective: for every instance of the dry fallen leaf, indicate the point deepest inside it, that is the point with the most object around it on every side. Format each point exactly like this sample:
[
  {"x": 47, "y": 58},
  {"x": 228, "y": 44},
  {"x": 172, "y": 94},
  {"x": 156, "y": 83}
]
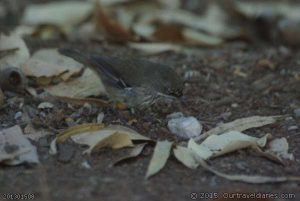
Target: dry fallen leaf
[
  {"x": 15, "y": 148},
  {"x": 191, "y": 160},
  {"x": 155, "y": 48},
  {"x": 193, "y": 37},
  {"x": 168, "y": 33},
  {"x": 216, "y": 145},
  {"x": 78, "y": 129},
  {"x": 252, "y": 10},
  {"x": 15, "y": 58},
  {"x": 186, "y": 156},
  {"x": 240, "y": 125},
  {"x": 159, "y": 158},
  {"x": 6, "y": 52},
  {"x": 238, "y": 72},
  {"x": 97, "y": 136},
  {"x": 88, "y": 84},
  {"x": 48, "y": 64},
  {"x": 64, "y": 14},
  {"x": 252, "y": 179},
  {"x": 213, "y": 21},
  {"x": 134, "y": 152},
  {"x": 114, "y": 141},
  {"x": 176, "y": 27},
  {"x": 113, "y": 29}
]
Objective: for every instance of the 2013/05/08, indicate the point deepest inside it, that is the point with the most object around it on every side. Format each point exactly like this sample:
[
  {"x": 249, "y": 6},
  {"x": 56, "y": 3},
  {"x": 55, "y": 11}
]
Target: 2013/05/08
[{"x": 17, "y": 196}]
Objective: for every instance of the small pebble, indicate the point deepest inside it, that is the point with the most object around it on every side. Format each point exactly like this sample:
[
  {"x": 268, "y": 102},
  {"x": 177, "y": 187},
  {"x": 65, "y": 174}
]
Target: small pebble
[
  {"x": 280, "y": 147},
  {"x": 45, "y": 105},
  {"x": 266, "y": 63},
  {"x": 100, "y": 117},
  {"x": 191, "y": 75},
  {"x": 185, "y": 127},
  {"x": 70, "y": 121},
  {"x": 234, "y": 105},
  {"x": 297, "y": 112},
  {"x": 86, "y": 165},
  {"x": 291, "y": 128},
  {"x": 18, "y": 115}
]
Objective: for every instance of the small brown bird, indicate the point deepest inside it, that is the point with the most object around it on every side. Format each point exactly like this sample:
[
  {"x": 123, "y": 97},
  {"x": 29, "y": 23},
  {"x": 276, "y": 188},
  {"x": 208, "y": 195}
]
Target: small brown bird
[{"x": 134, "y": 82}]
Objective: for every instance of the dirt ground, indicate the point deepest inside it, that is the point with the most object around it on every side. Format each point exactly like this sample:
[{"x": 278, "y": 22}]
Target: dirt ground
[{"x": 217, "y": 95}]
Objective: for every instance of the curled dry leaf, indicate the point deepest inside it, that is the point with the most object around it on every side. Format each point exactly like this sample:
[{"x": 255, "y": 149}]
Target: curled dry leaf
[
  {"x": 134, "y": 152},
  {"x": 155, "y": 48},
  {"x": 213, "y": 21},
  {"x": 19, "y": 53},
  {"x": 171, "y": 33},
  {"x": 111, "y": 140},
  {"x": 64, "y": 14},
  {"x": 186, "y": 156},
  {"x": 159, "y": 158},
  {"x": 216, "y": 145},
  {"x": 197, "y": 38},
  {"x": 23, "y": 30},
  {"x": 240, "y": 125},
  {"x": 15, "y": 148},
  {"x": 191, "y": 160},
  {"x": 185, "y": 35},
  {"x": 252, "y": 179},
  {"x": 97, "y": 136},
  {"x": 88, "y": 84},
  {"x": 252, "y": 10},
  {"x": 6, "y": 52},
  {"x": 74, "y": 130},
  {"x": 112, "y": 28},
  {"x": 47, "y": 65}
]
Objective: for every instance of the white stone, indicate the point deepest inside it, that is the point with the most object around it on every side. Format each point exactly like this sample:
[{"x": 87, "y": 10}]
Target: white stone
[
  {"x": 45, "y": 105},
  {"x": 185, "y": 127},
  {"x": 280, "y": 147},
  {"x": 100, "y": 117}
]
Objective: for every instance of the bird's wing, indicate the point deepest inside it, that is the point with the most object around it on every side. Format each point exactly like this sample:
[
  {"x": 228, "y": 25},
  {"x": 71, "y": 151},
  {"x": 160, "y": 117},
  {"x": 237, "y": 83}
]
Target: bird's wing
[
  {"x": 109, "y": 71},
  {"x": 100, "y": 64}
]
